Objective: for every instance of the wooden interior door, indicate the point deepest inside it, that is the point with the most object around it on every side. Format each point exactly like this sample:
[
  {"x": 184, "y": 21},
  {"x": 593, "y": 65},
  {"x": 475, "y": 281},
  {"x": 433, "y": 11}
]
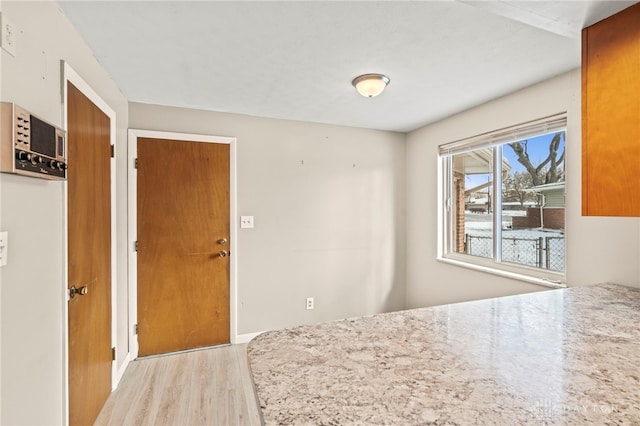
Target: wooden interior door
[
  {"x": 183, "y": 245},
  {"x": 89, "y": 228}
]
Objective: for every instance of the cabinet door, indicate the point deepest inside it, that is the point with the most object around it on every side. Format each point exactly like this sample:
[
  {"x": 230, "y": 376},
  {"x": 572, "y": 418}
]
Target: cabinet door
[{"x": 611, "y": 116}]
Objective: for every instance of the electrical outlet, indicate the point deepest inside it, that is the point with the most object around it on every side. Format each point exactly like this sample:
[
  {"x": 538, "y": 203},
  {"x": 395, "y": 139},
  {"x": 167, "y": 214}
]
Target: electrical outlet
[
  {"x": 246, "y": 221},
  {"x": 9, "y": 35},
  {"x": 309, "y": 303}
]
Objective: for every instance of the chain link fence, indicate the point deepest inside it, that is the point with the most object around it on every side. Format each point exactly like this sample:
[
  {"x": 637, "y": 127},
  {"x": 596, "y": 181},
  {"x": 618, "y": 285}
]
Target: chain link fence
[
  {"x": 540, "y": 252},
  {"x": 555, "y": 253}
]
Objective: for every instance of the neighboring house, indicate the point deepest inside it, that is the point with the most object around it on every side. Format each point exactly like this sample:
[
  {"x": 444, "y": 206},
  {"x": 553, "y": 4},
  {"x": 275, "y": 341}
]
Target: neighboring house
[
  {"x": 550, "y": 214},
  {"x": 552, "y": 194}
]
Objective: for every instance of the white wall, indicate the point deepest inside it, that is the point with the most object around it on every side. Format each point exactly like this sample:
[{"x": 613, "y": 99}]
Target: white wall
[
  {"x": 329, "y": 207},
  {"x": 32, "y": 302},
  {"x": 598, "y": 249}
]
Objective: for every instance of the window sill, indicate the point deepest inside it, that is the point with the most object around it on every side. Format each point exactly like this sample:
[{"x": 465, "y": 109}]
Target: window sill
[{"x": 507, "y": 274}]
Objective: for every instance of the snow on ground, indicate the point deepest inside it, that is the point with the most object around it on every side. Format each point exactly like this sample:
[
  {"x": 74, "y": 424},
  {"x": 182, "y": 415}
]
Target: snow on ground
[{"x": 480, "y": 224}]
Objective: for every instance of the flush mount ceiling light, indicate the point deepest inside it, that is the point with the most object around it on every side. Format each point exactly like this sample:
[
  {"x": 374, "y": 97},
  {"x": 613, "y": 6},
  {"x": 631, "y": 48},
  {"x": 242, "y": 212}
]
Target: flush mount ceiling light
[{"x": 370, "y": 85}]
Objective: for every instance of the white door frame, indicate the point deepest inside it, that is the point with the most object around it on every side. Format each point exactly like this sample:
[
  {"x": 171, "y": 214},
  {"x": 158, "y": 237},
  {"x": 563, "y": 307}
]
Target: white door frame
[
  {"x": 70, "y": 76},
  {"x": 132, "y": 221}
]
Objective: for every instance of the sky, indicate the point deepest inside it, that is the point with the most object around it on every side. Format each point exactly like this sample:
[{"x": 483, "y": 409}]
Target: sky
[{"x": 538, "y": 149}]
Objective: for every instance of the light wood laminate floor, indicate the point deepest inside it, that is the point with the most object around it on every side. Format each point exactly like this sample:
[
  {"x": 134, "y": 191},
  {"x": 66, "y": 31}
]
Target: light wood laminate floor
[{"x": 205, "y": 387}]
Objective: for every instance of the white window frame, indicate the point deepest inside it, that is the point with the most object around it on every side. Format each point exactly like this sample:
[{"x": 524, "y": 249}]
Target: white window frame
[{"x": 494, "y": 140}]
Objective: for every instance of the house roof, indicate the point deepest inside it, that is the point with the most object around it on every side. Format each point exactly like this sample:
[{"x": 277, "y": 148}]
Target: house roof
[
  {"x": 546, "y": 187},
  {"x": 478, "y": 161}
]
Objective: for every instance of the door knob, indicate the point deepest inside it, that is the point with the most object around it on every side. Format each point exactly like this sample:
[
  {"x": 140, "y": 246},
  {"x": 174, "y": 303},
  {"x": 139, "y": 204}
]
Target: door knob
[
  {"x": 80, "y": 291},
  {"x": 222, "y": 241},
  {"x": 223, "y": 253}
]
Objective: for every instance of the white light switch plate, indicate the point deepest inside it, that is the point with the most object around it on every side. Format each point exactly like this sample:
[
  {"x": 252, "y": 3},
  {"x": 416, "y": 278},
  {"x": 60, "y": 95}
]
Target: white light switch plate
[
  {"x": 4, "y": 247},
  {"x": 246, "y": 222}
]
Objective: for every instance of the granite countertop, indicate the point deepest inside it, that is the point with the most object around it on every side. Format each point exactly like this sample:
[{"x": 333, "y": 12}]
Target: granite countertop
[{"x": 568, "y": 356}]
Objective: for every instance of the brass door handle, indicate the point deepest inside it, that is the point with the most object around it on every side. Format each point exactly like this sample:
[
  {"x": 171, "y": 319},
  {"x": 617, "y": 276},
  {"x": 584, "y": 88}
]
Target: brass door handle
[
  {"x": 80, "y": 291},
  {"x": 223, "y": 253},
  {"x": 222, "y": 241}
]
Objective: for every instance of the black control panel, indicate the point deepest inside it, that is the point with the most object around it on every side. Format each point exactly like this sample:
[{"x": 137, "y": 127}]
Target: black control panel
[{"x": 40, "y": 164}]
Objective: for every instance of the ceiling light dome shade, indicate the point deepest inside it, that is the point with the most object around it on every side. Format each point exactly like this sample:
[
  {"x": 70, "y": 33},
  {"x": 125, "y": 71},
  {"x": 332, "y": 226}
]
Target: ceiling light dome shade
[{"x": 370, "y": 85}]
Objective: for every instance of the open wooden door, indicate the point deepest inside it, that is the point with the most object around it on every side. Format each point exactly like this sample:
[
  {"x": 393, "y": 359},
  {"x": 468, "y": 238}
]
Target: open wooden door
[
  {"x": 89, "y": 265},
  {"x": 183, "y": 245}
]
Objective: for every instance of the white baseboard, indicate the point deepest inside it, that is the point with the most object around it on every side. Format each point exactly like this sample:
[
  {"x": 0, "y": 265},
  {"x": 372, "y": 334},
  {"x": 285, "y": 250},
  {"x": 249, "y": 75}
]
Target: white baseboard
[
  {"x": 245, "y": 338},
  {"x": 120, "y": 371}
]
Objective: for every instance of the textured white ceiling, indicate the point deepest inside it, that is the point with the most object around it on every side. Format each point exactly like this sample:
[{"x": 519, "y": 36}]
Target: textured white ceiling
[{"x": 296, "y": 60}]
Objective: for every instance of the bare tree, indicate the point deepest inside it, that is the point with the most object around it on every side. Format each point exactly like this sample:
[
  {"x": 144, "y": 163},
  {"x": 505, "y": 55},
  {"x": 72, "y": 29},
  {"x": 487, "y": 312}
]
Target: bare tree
[
  {"x": 514, "y": 188},
  {"x": 549, "y": 170}
]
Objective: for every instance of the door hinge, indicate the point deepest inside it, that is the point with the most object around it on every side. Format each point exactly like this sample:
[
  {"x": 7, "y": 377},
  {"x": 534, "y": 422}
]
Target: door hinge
[
  {"x": 113, "y": 353},
  {"x": 135, "y": 163},
  {"x": 113, "y": 151},
  {"x": 135, "y": 329},
  {"x": 135, "y": 246}
]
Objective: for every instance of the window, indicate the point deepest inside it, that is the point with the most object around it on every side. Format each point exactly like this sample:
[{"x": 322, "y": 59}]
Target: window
[{"x": 504, "y": 203}]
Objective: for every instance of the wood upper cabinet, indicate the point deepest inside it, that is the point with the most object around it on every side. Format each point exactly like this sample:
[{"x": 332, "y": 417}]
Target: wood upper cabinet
[{"x": 611, "y": 115}]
